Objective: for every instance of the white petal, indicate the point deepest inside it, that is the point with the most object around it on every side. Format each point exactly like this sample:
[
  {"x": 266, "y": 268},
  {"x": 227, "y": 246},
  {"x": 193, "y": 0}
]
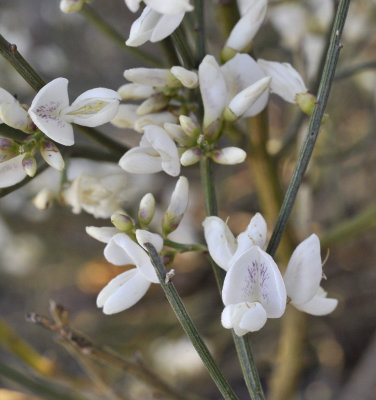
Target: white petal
[
  {"x": 123, "y": 292},
  {"x": 229, "y": 156},
  {"x": 94, "y": 107},
  {"x": 137, "y": 254},
  {"x": 141, "y": 160},
  {"x": 149, "y": 237},
  {"x": 11, "y": 171},
  {"x": 179, "y": 199},
  {"x": 247, "y": 27},
  {"x": 47, "y": 108},
  {"x": 115, "y": 253},
  {"x": 166, "y": 148},
  {"x": 142, "y": 27},
  {"x": 254, "y": 235},
  {"x": 165, "y": 26},
  {"x": 213, "y": 89},
  {"x": 318, "y": 305},
  {"x": 231, "y": 316},
  {"x": 104, "y": 234},
  {"x": 254, "y": 276},
  {"x": 241, "y": 72},
  {"x": 169, "y": 6},
  {"x": 6, "y": 97},
  {"x": 221, "y": 242},
  {"x": 154, "y": 119},
  {"x": 135, "y": 91},
  {"x": 15, "y": 116},
  {"x": 154, "y": 77},
  {"x": 126, "y": 116},
  {"x": 188, "y": 78},
  {"x": 133, "y": 5},
  {"x": 286, "y": 81},
  {"x": 304, "y": 271},
  {"x": 254, "y": 318}
]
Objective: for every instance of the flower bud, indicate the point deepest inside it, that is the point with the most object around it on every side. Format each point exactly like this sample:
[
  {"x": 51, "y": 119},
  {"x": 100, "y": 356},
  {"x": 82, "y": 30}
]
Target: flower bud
[
  {"x": 187, "y": 78},
  {"x": 69, "y": 6},
  {"x": 229, "y": 156},
  {"x": 43, "y": 199},
  {"x": 176, "y": 133},
  {"x": 29, "y": 165},
  {"x": 126, "y": 116},
  {"x": 155, "y": 77},
  {"x": 8, "y": 146},
  {"x": 245, "y": 99},
  {"x": 190, "y": 157},
  {"x": 135, "y": 91},
  {"x": 52, "y": 155},
  {"x": 121, "y": 220},
  {"x": 153, "y": 104},
  {"x": 146, "y": 209},
  {"x": 158, "y": 119},
  {"x": 177, "y": 207},
  {"x": 190, "y": 126},
  {"x": 306, "y": 102}
]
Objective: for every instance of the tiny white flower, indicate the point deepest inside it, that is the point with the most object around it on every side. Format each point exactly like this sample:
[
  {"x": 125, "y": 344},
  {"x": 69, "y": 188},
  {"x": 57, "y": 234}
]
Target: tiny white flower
[
  {"x": 156, "y": 152},
  {"x": 303, "y": 276},
  {"x": 187, "y": 78},
  {"x": 51, "y": 112},
  {"x": 70, "y": 6},
  {"x": 222, "y": 245},
  {"x": 43, "y": 199},
  {"x": 11, "y": 171},
  {"x": 154, "y": 77},
  {"x": 229, "y": 156},
  {"x": 190, "y": 156},
  {"x": 153, "y": 26},
  {"x": 253, "y": 290}
]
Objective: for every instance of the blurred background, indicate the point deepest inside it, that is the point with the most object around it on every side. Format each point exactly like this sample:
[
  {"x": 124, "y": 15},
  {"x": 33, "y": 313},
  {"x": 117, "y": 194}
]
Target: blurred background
[{"x": 47, "y": 254}]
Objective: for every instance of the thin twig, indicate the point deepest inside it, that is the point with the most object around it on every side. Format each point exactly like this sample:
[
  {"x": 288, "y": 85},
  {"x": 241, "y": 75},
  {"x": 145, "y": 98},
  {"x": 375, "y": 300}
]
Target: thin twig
[{"x": 314, "y": 126}]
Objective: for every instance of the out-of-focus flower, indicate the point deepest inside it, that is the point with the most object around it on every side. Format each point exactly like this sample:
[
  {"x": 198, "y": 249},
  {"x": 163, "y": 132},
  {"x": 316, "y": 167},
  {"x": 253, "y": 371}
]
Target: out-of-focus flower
[
  {"x": 43, "y": 199},
  {"x": 100, "y": 197},
  {"x": 156, "y": 152},
  {"x": 253, "y": 290},
  {"x": 302, "y": 279},
  {"x": 177, "y": 207},
  {"x": 224, "y": 248},
  {"x": 51, "y": 112},
  {"x": 70, "y": 6}
]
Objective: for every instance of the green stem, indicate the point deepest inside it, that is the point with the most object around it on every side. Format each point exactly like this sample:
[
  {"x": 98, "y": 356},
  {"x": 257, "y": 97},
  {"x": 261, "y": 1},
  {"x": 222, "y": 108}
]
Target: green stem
[
  {"x": 94, "y": 18},
  {"x": 250, "y": 373},
  {"x": 170, "y": 51},
  {"x": 314, "y": 126},
  {"x": 199, "y": 11},
  {"x": 182, "y": 46},
  {"x": 184, "y": 247},
  {"x": 10, "y": 53},
  {"x": 189, "y": 327}
]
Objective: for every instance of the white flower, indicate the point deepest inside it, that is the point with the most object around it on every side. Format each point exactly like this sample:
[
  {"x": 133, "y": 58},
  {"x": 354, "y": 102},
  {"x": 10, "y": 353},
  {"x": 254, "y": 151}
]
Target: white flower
[
  {"x": 13, "y": 114},
  {"x": 252, "y": 16},
  {"x": 129, "y": 287},
  {"x": 286, "y": 81},
  {"x": 70, "y": 6},
  {"x": 170, "y": 7},
  {"x": 11, "y": 171},
  {"x": 302, "y": 279},
  {"x": 222, "y": 245},
  {"x": 253, "y": 290},
  {"x": 220, "y": 85},
  {"x": 152, "y": 25},
  {"x": 156, "y": 152},
  {"x": 51, "y": 112},
  {"x": 100, "y": 197}
]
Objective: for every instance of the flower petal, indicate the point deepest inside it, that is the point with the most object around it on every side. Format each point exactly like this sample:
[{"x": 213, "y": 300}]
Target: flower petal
[
  {"x": 126, "y": 116},
  {"x": 149, "y": 237},
  {"x": 170, "y": 7},
  {"x": 221, "y": 242},
  {"x": 104, "y": 233},
  {"x": 6, "y": 97},
  {"x": 141, "y": 160},
  {"x": 318, "y": 305},
  {"x": 15, "y": 116},
  {"x": 123, "y": 292},
  {"x": 133, "y": 5},
  {"x": 142, "y": 27},
  {"x": 11, "y": 171},
  {"x": 254, "y": 276},
  {"x": 254, "y": 318},
  {"x": 135, "y": 91},
  {"x": 115, "y": 252},
  {"x": 304, "y": 271},
  {"x": 46, "y": 111},
  {"x": 165, "y": 26}
]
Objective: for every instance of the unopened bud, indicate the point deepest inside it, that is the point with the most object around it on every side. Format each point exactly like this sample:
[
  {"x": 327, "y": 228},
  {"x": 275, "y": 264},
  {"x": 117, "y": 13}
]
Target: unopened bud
[
  {"x": 29, "y": 165},
  {"x": 8, "y": 146},
  {"x": 227, "y": 53},
  {"x": 187, "y": 78},
  {"x": 52, "y": 155},
  {"x": 121, "y": 220},
  {"x": 176, "y": 133},
  {"x": 44, "y": 199},
  {"x": 190, "y": 157},
  {"x": 146, "y": 209},
  {"x": 190, "y": 126},
  {"x": 177, "y": 207},
  {"x": 155, "y": 77},
  {"x": 306, "y": 102},
  {"x": 69, "y": 6},
  {"x": 155, "y": 103},
  {"x": 229, "y": 156},
  {"x": 135, "y": 91}
]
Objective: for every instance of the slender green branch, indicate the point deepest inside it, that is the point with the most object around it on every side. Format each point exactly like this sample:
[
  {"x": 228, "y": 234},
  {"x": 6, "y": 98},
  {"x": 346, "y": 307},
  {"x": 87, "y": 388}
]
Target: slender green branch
[
  {"x": 200, "y": 31},
  {"x": 94, "y": 18},
  {"x": 188, "y": 326},
  {"x": 184, "y": 247},
  {"x": 207, "y": 186},
  {"x": 38, "y": 386},
  {"x": 170, "y": 51},
  {"x": 314, "y": 126},
  {"x": 183, "y": 48}
]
